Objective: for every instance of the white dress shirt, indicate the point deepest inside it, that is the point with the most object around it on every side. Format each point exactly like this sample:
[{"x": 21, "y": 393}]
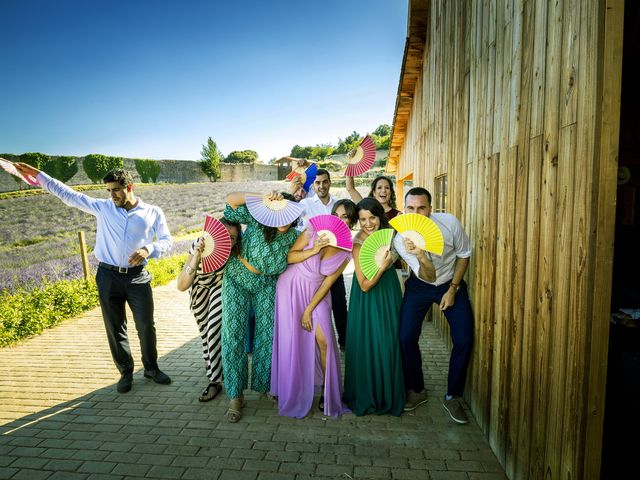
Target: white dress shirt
[
  {"x": 313, "y": 206},
  {"x": 120, "y": 232},
  {"x": 456, "y": 244}
]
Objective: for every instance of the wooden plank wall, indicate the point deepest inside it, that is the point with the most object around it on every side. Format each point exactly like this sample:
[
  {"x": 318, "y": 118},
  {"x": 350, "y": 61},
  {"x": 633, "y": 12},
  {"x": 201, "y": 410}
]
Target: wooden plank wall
[{"x": 518, "y": 103}]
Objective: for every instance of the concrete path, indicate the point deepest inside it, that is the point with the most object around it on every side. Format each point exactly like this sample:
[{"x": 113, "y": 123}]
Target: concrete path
[{"x": 61, "y": 418}]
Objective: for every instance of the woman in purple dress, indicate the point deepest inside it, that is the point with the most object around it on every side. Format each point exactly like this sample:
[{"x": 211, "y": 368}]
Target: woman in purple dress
[{"x": 306, "y": 358}]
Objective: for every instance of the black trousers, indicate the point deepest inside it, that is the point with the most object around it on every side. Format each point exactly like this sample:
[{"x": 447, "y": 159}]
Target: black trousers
[
  {"x": 339, "y": 308},
  {"x": 115, "y": 289}
]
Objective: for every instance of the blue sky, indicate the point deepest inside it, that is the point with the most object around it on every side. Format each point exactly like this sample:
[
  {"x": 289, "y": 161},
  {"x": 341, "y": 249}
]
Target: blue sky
[{"x": 154, "y": 79}]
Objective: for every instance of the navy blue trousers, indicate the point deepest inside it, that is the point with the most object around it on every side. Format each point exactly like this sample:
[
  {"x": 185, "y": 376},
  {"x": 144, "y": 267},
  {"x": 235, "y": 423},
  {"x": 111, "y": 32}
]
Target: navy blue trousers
[{"x": 418, "y": 298}]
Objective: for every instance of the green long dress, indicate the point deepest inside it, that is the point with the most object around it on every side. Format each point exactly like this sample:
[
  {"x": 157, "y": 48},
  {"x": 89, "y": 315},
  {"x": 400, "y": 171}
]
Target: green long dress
[{"x": 373, "y": 381}]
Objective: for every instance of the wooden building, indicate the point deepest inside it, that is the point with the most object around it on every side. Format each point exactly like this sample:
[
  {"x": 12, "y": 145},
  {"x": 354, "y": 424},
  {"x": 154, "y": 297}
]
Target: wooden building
[
  {"x": 285, "y": 166},
  {"x": 508, "y": 111}
]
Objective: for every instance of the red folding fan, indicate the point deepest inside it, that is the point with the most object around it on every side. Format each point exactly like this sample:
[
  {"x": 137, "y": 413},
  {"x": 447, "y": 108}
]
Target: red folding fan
[
  {"x": 335, "y": 229},
  {"x": 217, "y": 245},
  {"x": 361, "y": 159},
  {"x": 9, "y": 167}
]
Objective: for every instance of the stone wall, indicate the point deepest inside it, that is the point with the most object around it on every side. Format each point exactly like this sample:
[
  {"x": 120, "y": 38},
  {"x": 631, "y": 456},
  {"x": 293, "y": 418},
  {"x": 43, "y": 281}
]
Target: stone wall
[
  {"x": 172, "y": 171},
  {"x": 239, "y": 172}
]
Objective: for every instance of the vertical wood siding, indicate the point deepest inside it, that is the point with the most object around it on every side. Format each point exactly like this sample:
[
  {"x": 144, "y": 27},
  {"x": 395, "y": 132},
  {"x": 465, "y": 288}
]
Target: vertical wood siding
[{"x": 518, "y": 103}]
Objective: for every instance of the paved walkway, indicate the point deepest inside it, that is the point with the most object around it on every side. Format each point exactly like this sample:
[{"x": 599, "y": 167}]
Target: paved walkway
[{"x": 61, "y": 418}]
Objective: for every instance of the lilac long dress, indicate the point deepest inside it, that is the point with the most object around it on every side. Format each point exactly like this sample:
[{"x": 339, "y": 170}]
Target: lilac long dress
[{"x": 296, "y": 371}]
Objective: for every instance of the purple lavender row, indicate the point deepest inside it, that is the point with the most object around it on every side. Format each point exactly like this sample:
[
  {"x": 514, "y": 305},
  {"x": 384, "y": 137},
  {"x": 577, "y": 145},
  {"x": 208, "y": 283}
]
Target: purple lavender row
[{"x": 70, "y": 268}]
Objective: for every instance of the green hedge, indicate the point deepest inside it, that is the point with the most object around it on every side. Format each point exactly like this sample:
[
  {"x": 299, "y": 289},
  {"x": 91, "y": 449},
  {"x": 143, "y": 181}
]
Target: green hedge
[
  {"x": 61, "y": 168},
  {"x": 24, "y": 314},
  {"x": 96, "y": 166},
  {"x": 148, "y": 170}
]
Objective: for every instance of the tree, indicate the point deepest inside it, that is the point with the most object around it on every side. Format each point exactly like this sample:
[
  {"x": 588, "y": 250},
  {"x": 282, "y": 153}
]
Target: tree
[
  {"x": 383, "y": 130},
  {"x": 301, "y": 152},
  {"x": 62, "y": 168},
  {"x": 242, "y": 156},
  {"x": 148, "y": 170},
  {"x": 349, "y": 143},
  {"x": 96, "y": 166},
  {"x": 321, "y": 151},
  {"x": 382, "y": 137},
  {"x": 210, "y": 160}
]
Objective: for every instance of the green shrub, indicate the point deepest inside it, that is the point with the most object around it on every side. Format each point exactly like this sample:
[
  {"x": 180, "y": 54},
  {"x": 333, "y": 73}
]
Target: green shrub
[
  {"x": 34, "y": 159},
  {"x": 24, "y": 314},
  {"x": 163, "y": 270},
  {"x": 61, "y": 168},
  {"x": 148, "y": 170},
  {"x": 96, "y": 166}
]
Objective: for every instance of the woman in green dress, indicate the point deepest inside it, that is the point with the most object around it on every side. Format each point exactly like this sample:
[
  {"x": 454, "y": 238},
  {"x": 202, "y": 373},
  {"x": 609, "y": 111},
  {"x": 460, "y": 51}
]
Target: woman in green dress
[{"x": 373, "y": 366}]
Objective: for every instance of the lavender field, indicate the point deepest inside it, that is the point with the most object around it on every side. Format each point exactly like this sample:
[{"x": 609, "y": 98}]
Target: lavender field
[{"x": 39, "y": 234}]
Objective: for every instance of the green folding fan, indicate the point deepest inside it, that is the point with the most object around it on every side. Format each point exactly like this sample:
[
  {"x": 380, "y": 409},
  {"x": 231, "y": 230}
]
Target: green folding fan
[{"x": 373, "y": 251}]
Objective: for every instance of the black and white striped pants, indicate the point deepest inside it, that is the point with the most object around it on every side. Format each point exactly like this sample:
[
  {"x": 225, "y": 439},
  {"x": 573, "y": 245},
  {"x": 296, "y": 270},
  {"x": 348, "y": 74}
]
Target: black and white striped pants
[{"x": 206, "y": 306}]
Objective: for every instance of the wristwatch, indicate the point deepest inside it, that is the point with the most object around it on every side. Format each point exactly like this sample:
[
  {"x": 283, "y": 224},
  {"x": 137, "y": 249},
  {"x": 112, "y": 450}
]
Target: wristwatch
[{"x": 455, "y": 285}]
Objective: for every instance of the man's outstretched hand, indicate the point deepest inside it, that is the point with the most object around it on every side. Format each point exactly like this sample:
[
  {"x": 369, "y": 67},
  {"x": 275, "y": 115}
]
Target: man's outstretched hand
[{"x": 26, "y": 169}]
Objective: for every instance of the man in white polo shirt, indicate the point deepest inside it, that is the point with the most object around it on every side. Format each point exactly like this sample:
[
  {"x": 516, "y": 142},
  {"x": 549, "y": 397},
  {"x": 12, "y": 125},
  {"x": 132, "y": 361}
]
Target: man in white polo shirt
[{"x": 436, "y": 279}]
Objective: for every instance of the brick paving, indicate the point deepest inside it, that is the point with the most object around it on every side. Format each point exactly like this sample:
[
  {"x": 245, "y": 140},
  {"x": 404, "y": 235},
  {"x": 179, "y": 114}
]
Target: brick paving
[{"x": 61, "y": 418}]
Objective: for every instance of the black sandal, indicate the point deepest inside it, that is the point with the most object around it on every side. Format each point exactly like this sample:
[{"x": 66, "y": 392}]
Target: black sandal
[{"x": 211, "y": 392}]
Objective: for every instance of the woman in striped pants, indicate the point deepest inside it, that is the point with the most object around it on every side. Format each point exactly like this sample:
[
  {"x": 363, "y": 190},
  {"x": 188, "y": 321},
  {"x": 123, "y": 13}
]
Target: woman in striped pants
[{"x": 206, "y": 306}]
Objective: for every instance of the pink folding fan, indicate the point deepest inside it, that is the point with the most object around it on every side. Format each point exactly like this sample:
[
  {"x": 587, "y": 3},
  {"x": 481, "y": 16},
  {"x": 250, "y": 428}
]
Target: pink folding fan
[
  {"x": 9, "y": 167},
  {"x": 217, "y": 245},
  {"x": 361, "y": 158},
  {"x": 273, "y": 213},
  {"x": 335, "y": 229}
]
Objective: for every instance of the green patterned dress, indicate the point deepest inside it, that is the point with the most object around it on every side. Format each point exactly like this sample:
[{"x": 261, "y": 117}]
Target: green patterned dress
[{"x": 241, "y": 289}]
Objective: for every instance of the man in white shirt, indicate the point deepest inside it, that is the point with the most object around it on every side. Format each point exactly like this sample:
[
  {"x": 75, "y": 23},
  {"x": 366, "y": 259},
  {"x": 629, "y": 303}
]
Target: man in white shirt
[
  {"x": 124, "y": 240},
  {"x": 322, "y": 202},
  {"x": 436, "y": 279}
]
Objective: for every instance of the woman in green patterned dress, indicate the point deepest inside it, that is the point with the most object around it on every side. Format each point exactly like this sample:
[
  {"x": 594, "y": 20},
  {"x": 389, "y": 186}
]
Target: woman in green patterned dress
[
  {"x": 250, "y": 279},
  {"x": 373, "y": 381}
]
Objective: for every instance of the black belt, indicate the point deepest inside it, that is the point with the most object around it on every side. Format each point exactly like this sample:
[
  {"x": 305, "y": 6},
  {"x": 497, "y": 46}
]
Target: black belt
[{"x": 123, "y": 270}]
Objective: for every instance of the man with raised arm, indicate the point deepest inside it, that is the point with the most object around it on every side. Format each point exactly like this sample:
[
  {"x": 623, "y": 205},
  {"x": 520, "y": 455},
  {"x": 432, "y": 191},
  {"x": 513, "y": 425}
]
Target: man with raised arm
[
  {"x": 436, "y": 279},
  {"x": 124, "y": 240}
]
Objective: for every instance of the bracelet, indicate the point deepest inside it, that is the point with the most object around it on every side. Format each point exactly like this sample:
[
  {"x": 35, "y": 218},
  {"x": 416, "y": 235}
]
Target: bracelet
[
  {"x": 189, "y": 270},
  {"x": 455, "y": 286}
]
